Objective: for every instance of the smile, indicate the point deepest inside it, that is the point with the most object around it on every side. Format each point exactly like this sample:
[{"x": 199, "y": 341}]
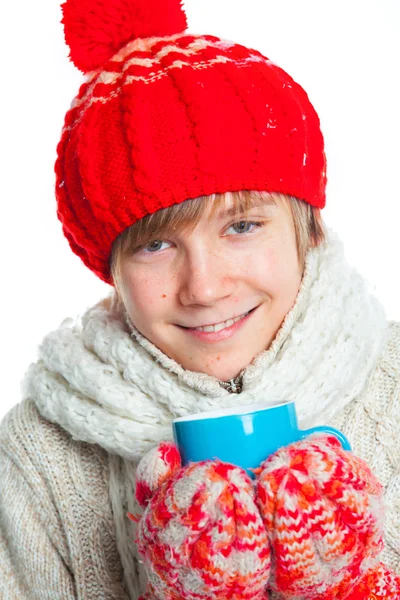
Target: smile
[
  {"x": 220, "y": 326},
  {"x": 219, "y": 332}
]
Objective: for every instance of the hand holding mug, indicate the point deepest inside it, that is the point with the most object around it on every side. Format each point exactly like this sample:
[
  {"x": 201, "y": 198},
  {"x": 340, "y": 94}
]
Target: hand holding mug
[
  {"x": 201, "y": 533},
  {"x": 311, "y": 495}
]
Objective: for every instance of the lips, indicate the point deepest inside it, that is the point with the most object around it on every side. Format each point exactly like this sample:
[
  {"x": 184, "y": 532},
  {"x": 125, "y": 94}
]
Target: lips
[{"x": 221, "y": 325}]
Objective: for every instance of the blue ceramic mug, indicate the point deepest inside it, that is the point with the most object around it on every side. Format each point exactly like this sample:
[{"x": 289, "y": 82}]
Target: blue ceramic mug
[{"x": 244, "y": 435}]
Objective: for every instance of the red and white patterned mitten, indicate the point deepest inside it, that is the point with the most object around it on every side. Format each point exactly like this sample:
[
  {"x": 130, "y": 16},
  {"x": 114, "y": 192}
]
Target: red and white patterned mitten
[
  {"x": 201, "y": 534},
  {"x": 379, "y": 583},
  {"x": 323, "y": 511}
]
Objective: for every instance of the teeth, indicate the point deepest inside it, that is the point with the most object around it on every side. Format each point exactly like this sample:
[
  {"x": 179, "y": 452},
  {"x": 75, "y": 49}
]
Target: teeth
[{"x": 220, "y": 326}]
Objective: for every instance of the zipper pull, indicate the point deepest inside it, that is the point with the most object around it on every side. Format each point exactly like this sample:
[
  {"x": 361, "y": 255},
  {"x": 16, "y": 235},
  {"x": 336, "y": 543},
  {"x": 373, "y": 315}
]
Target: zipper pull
[{"x": 234, "y": 386}]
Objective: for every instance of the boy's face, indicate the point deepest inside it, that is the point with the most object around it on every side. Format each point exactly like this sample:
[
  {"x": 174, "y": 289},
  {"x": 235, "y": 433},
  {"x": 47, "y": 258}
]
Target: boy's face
[{"x": 227, "y": 266}]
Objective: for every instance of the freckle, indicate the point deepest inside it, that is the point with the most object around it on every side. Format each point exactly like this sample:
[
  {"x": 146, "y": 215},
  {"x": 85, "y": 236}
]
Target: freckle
[
  {"x": 164, "y": 296},
  {"x": 218, "y": 358}
]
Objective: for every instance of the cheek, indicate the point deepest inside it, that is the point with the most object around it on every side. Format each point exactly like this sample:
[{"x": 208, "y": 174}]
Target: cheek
[
  {"x": 276, "y": 270},
  {"x": 144, "y": 296},
  {"x": 265, "y": 268}
]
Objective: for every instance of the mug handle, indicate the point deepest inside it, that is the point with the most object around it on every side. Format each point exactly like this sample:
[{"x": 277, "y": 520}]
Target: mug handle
[{"x": 325, "y": 429}]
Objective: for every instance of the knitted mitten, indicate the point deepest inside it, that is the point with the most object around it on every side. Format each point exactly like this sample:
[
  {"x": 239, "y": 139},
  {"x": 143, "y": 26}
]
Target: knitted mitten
[
  {"x": 201, "y": 534},
  {"x": 377, "y": 584},
  {"x": 323, "y": 511}
]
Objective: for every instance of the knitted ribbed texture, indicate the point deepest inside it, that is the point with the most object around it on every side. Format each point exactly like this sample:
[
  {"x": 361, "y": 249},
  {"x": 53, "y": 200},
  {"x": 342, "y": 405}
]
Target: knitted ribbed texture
[
  {"x": 169, "y": 118},
  {"x": 201, "y": 535},
  {"x": 323, "y": 510},
  {"x": 378, "y": 584},
  {"x": 57, "y": 532},
  {"x": 156, "y": 466}
]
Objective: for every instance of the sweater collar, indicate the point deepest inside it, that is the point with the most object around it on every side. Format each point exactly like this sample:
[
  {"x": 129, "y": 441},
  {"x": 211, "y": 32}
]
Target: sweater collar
[{"x": 102, "y": 381}]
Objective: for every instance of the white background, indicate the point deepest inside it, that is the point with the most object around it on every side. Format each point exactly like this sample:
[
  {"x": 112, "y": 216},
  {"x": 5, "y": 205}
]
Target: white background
[{"x": 345, "y": 53}]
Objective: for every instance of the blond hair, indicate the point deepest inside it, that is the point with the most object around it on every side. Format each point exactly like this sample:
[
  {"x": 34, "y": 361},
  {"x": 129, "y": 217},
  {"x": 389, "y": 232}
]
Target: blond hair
[{"x": 307, "y": 220}]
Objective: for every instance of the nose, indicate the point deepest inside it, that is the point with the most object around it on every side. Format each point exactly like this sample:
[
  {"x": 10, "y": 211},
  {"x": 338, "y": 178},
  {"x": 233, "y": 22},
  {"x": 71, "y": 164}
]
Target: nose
[{"x": 205, "y": 278}]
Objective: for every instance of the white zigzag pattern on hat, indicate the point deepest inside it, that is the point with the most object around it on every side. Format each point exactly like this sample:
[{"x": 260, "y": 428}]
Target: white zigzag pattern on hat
[{"x": 110, "y": 77}]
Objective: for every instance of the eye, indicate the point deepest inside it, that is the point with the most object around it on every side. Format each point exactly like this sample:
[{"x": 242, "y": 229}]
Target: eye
[
  {"x": 154, "y": 246},
  {"x": 243, "y": 227}
]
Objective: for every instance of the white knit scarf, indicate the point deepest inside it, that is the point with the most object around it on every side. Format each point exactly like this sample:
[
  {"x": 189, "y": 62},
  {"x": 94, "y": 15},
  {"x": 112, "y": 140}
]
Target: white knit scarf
[{"x": 104, "y": 383}]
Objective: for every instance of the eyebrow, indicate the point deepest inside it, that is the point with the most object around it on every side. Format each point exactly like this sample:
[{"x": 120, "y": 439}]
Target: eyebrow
[{"x": 241, "y": 208}]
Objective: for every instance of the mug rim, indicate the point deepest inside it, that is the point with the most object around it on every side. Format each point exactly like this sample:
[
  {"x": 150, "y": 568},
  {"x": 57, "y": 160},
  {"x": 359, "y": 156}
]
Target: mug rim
[{"x": 232, "y": 411}]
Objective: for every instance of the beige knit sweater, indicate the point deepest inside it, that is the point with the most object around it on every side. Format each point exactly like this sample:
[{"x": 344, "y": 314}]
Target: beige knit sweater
[{"x": 68, "y": 451}]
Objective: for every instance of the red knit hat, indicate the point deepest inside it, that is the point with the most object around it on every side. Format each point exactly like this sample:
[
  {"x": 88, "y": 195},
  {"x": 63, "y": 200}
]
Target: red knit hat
[{"x": 166, "y": 116}]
